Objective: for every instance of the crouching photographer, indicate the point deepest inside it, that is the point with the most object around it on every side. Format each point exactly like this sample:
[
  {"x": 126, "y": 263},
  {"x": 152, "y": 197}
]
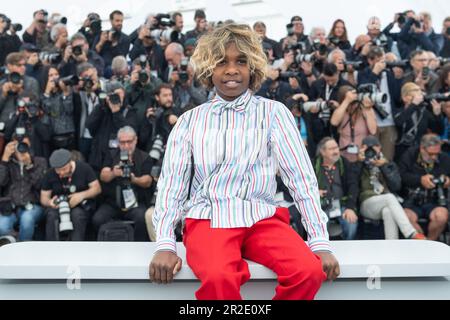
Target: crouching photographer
[
  {"x": 338, "y": 189},
  {"x": 126, "y": 180},
  {"x": 21, "y": 174},
  {"x": 68, "y": 193},
  {"x": 425, "y": 174},
  {"x": 379, "y": 178}
]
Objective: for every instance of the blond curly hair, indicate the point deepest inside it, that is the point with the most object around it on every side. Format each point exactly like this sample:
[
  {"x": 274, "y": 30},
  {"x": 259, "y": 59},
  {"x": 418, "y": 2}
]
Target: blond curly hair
[{"x": 211, "y": 49}]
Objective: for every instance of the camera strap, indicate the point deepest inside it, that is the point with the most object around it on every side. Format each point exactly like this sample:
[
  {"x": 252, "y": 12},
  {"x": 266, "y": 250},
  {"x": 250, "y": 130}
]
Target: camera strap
[{"x": 413, "y": 130}]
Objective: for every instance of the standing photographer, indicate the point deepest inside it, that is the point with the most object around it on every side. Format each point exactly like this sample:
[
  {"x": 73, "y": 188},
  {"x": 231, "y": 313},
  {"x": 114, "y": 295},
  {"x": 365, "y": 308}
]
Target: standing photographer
[
  {"x": 68, "y": 190},
  {"x": 379, "y": 178},
  {"x": 425, "y": 174},
  {"x": 415, "y": 119},
  {"x": 91, "y": 28},
  {"x": 106, "y": 119},
  {"x": 126, "y": 178},
  {"x": 114, "y": 42},
  {"x": 57, "y": 104},
  {"x": 21, "y": 174},
  {"x": 421, "y": 74},
  {"x": 388, "y": 85},
  {"x": 9, "y": 42},
  {"x": 37, "y": 32}
]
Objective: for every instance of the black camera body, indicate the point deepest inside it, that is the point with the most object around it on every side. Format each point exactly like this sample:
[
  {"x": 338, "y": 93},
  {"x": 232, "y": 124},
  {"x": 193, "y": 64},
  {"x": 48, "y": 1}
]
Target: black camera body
[
  {"x": 125, "y": 164},
  {"x": 88, "y": 83},
  {"x": 143, "y": 76},
  {"x": 403, "y": 64},
  {"x": 20, "y": 135},
  {"x": 320, "y": 47},
  {"x": 371, "y": 91},
  {"x": 15, "y": 78},
  {"x": 163, "y": 20},
  {"x": 77, "y": 50},
  {"x": 183, "y": 73},
  {"x": 439, "y": 97},
  {"x": 31, "y": 107},
  {"x": 439, "y": 183},
  {"x": 370, "y": 155},
  {"x": 71, "y": 80},
  {"x": 381, "y": 41},
  {"x": 54, "y": 58},
  {"x": 114, "y": 98},
  {"x": 357, "y": 65}
]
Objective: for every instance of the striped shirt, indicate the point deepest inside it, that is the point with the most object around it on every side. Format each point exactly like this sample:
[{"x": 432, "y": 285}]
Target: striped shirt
[{"x": 237, "y": 148}]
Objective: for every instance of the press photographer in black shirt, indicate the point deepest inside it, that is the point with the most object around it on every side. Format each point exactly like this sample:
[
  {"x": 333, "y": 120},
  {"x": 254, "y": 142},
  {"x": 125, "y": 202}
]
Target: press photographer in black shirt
[{"x": 126, "y": 183}]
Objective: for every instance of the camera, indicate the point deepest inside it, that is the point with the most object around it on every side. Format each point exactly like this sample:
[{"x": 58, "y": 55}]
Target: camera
[
  {"x": 143, "y": 75},
  {"x": 88, "y": 83},
  {"x": 157, "y": 148},
  {"x": 65, "y": 223},
  {"x": 301, "y": 45},
  {"x": 114, "y": 98},
  {"x": 9, "y": 25},
  {"x": 439, "y": 97},
  {"x": 401, "y": 18},
  {"x": 403, "y": 64},
  {"x": 288, "y": 74},
  {"x": 21, "y": 146},
  {"x": 326, "y": 203},
  {"x": 371, "y": 91},
  {"x": 45, "y": 14},
  {"x": 125, "y": 164},
  {"x": 320, "y": 47},
  {"x": 381, "y": 41},
  {"x": 305, "y": 58},
  {"x": 443, "y": 61},
  {"x": 334, "y": 41},
  {"x": 290, "y": 29},
  {"x": 357, "y": 65},
  {"x": 31, "y": 107},
  {"x": 69, "y": 80},
  {"x": 417, "y": 23},
  {"x": 51, "y": 58},
  {"x": 95, "y": 23},
  {"x": 183, "y": 73},
  {"x": 324, "y": 106},
  {"x": 439, "y": 183},
  {"x": 418, "y": 196},
  {"x": 77, "y": 50},
  {"x": 163, "y": 20},
  {"x": 115, "y": 34},
  {"x": 426, "y": 73},
  {"x": 15, "y": 78},
  {"x": 370, "y": 155}
]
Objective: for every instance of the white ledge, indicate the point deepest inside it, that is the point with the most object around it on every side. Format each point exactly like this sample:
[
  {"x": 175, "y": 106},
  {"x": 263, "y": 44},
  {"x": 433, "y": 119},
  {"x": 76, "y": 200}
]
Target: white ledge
[{"x": 130, "y": 260}]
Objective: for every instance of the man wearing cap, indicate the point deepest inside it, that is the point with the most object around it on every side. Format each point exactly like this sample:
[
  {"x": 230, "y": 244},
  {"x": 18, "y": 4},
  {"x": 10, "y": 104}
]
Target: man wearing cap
[
  {"x": 106, "y": 119},
  {"x": 37, "y": 32},
  {"x": 296, "y": 35},
  {"x": 379, "y": 178},
  {"x": 77, "y": 180}
]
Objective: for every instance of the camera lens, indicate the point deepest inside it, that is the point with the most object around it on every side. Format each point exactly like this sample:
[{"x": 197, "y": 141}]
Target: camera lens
[
  {"x": 15, "y": 78},
  {"x": 22, "y": 147}
]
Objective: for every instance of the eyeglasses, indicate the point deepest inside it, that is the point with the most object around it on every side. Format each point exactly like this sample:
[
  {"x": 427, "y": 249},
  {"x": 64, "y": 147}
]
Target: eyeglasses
[{"x": 126, "y": 141}]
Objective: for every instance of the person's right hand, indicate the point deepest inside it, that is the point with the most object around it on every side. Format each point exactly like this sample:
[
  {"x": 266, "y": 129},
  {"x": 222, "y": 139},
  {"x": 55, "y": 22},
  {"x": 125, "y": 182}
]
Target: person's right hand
[
  {"x": 379, "y": 67},
  {"x": 52, "y": 203},
  {"x": 67, "y": 53},
  {"x": 10, "y": 149},
  {"x": 117, "y": 171},
  {"x": 104, "y": 37},
  {"x": 273, "y": 74},
  {"x": 51, "y": 85},
  {"x": 174, "y": 77},
  {"x": 144, "y": 33},
  {"x": 351, "y": 96},
  {"x": 164, "y": 266},
  {"x": 150, "y": 112},
  {"x": 426, "y": 182},
  {"x": 134, "y": 77}
]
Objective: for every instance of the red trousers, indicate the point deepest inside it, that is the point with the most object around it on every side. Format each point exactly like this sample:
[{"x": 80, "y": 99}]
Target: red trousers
[{"x": 216, "y": 257}]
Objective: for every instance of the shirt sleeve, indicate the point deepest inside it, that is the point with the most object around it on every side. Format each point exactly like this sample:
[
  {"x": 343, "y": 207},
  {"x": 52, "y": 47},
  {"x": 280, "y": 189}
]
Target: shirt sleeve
[
  {"x": 298, "y": 176},
  {"x": 173, "y": 185}
]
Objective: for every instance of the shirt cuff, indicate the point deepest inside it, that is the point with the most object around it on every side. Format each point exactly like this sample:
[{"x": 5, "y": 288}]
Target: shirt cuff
[
  {"x": 319, "y": 244},
  {"x": 166, "y": 244}
]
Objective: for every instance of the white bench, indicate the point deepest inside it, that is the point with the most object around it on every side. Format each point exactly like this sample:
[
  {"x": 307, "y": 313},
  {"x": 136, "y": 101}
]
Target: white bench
[{"x": 401, "y": 269}]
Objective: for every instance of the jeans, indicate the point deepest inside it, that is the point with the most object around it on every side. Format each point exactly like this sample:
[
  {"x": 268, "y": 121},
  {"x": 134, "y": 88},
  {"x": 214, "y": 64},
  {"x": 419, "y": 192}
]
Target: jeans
[
  {"x": 27, "y": 222},
  {"x": 79, "y": 218},
  {"x": 348, "y": 229}
]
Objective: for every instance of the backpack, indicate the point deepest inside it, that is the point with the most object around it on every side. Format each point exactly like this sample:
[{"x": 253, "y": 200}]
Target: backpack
[{"x": 118, "y": 231}]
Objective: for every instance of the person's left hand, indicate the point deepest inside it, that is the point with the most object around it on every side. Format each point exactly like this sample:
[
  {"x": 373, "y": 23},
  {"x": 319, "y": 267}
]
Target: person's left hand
[
  {"x": 379, "y": 162},
  {"x": 330, "y": 264},
  {"x": 75, "y": 199}
]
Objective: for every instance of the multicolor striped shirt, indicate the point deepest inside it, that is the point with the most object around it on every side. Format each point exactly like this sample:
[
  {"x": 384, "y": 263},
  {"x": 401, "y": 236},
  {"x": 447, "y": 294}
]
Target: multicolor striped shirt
[{"x": 236, "y": 149}]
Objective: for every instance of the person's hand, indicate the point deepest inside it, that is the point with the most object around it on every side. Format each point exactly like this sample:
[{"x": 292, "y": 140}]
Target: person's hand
[
  {"x": 437, "y": 108},
  {"x": 150, "y": 112},
  {"x": 307, "y": 67},
  {"x": 113, "y": 107},
  {"x": 273, "y": 74},
  {"x": 52, "y": 204},
  {"x": 366, "y": 48},
  {"x": 174, "y": 77},
  {"x": 350, "y": 216},
  {"x": 24, "y": 158},
  {"x": 362, "y": 153},
  {"x": 334, "y": 104},
  {"x": 323, "y": 193},
  {"x": 329, "y": 264},
  {"x": 447, "y": 182},
  {"x": 351, "y": 96},
  {"x": 134, "y": 77},
  {"x": 144, "y": 33},
  {"x": 10, "y": 149},
  {"x": 75, "y": 199},
  {"x": 427, "y": 182},
  {"x": 379, "y": 162},
  {"x": 104, "y": 37},
  {"x": 117, "y": 171},
  {"x": 379, "y": 67},
  {"x": 301, "y": 96},
  {"x": 172, "y": 119},
  {"x": 51, "y": 85},
  {"x": 164, "y": 266},
  {"x": 82, "y": 57},
  {"x": 367, "y": 103}
]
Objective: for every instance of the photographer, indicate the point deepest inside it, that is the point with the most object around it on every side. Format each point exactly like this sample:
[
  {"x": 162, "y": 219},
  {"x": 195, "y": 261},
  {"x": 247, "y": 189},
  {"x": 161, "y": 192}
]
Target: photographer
[
  {"x": 127, "y": 181},
  {"x": 59, "y": 38},
  {"x": 379, "y": 178},
  {"x": 325, "y": 89},
  {"x": 445, "y": 52},
  {"x": 37, "y": 32},
  {"x": 386, "y": 83},
  {"x": 355, "y": 119},
  {"x": 68, "y": 193},
  {"x": 159, "y": 119},
  {"x": 338, "y": 187},
  {"x": 421, "y": 74},
  {"x": 295, "y": 30},
  {"x": 77, "y": 53},
  {"x": 21, "y": 174},
  {"x": 338, "y": 35},
  {"x": 415, "y": 119},
  {"x": 348, "y": 71},
  {"x": 114, "y": 42},
  {"x": 57, "y": 103},
  {"x": 34, "y": 66},
  {"x": 111, "y": 114},
  {"x": 91, "y": 28},
  {"x": 120, "y": 70},
  {"x": 260, "y": 28},
  {"x": 425, "y": 174},
  {"x": 146, "y": 45},
  {"x": 378, "y": 38},
  {"x": 200, "y": 25},
  {"x": 141, "y": 88},
  {"x": 418, "y": 34},
  {"x": 84, "y": 103},
  {"x": 16, "y": 85},
  {"x": 275, "y": 89},
  {"x": 9, "y": 42}
]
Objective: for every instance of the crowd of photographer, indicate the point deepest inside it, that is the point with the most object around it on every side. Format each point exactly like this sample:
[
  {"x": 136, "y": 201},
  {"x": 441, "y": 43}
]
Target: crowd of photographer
[{"x": 84, "y": 120}]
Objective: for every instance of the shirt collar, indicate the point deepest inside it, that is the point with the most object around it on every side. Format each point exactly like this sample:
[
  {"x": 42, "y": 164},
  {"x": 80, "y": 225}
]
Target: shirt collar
[{"x": 239, "y": 104}]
